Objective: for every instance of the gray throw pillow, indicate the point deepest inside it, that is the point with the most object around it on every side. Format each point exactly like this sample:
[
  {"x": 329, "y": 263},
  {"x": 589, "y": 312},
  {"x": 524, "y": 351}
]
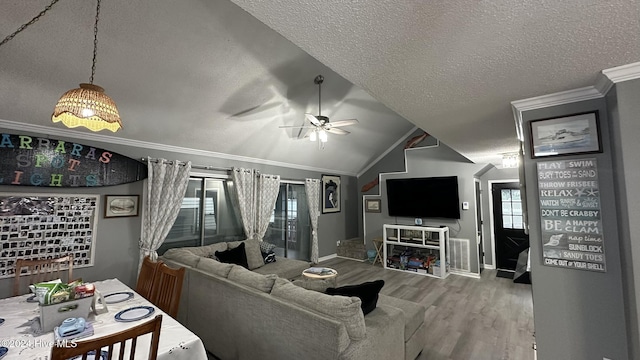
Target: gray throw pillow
[{"x": 252, "y": 250}]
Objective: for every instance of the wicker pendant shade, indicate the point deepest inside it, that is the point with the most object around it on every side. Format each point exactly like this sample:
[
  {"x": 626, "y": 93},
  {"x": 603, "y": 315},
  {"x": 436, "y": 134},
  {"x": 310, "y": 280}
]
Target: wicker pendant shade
[{"x": 87, "y": 106}]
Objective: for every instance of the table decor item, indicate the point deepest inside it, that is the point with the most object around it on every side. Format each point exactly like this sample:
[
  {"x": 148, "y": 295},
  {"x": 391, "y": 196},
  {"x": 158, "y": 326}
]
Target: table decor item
[
  {"x": 117, "y": 297},
  {"x": 134, "y": 313}
]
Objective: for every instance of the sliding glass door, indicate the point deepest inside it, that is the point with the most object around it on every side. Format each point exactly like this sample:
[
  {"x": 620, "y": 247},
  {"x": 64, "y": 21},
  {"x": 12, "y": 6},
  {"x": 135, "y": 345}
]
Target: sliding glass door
[{"x": 290, "y": 227}]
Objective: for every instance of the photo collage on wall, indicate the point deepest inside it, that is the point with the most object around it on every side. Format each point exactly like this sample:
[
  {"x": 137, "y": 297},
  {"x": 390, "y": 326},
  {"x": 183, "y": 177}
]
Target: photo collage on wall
[{"x": 46, "y": 226}]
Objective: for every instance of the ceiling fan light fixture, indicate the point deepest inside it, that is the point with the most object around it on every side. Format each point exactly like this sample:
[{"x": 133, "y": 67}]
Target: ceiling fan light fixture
[
  {"x": 313, "y": 136},
  {"x": 322, "y": 135}
]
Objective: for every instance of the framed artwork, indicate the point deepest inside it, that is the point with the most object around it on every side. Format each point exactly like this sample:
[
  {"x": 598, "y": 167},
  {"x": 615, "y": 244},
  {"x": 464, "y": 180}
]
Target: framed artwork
[
  {"x": 372, "y": 205},
  {"x": 569, "y": 135},
  {"x": 120, "y": 205},
  {"x": 331, "y": 194},
  {"x": 41, "y": 225}
]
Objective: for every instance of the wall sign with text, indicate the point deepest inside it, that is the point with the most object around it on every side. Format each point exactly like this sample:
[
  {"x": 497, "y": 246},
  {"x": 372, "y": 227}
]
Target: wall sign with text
[
  {"x": 570, "y": 214},
  {"x": 33, "y": 161}
]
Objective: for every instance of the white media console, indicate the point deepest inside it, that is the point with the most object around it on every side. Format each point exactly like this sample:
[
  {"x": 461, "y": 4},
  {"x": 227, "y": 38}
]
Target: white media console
[{"x": 417, "y": 249}]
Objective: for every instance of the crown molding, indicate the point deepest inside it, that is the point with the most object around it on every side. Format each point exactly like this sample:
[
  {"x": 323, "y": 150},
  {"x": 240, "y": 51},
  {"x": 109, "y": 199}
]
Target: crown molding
[
  {"x": 559, "y": 98},
  {"x": 623, "y": 73},
  {"x": 549, "y": 100},
  {"x": 51, "y": 131}
]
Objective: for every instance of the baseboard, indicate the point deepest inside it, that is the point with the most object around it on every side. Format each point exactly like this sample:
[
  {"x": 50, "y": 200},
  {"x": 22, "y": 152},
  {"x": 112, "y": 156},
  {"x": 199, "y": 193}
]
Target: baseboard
[
  {"x": 489, "y": 267},
  {"x": 349, "y": 258},
  {"x": 464, "y": 273},
  {"x": 328, "y": 257}
]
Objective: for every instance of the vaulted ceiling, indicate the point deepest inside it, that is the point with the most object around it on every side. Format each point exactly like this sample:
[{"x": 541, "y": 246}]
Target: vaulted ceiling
[{"x": 208, "y": 75}]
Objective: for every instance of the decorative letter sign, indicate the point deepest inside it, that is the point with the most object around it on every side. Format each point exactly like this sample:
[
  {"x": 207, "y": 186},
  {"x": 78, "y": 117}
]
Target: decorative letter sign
[
  {"x": 570, "y": 214},
  {"x": 32, "y": 161}
]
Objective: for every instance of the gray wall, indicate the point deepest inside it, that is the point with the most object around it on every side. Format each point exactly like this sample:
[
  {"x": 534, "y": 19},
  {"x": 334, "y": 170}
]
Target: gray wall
[
  {"x": 623, "y": 106},
  {"x": 492, "y": 174},
  {"x": 578, "y": 314},
  {"x": 426, "y": 162},
  {"x": 117, "y": 239}
]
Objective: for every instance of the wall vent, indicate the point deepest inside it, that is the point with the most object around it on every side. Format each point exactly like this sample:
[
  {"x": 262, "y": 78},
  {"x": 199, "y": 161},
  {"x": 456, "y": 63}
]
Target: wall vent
[{"x": 460, "y": 258}]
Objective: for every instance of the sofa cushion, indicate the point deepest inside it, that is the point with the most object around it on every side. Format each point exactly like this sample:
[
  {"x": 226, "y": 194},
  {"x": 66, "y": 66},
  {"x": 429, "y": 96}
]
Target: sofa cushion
[
  {"x": 183, "y": 256},
  {"x": 320, "y": 285},
  {"x": 413, "y": 313},
  {"x": 344, "y": 309},
  {"x": 260, "y": 282},
  {"x": 284, "y": 268},
  {"x": 252, "y": 251},
  {"x": 207, "y": 250},
  {"x": 214, "y": 267},
  {"x": 367, "y": 292}
]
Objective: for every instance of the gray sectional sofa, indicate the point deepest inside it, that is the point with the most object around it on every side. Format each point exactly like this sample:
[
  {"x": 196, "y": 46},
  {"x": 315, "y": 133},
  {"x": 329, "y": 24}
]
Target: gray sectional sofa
[{"x": 261, "y": 314}]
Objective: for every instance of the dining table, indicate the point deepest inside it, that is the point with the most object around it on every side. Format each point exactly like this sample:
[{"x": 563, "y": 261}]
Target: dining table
[{"x": 21, "y": 334}]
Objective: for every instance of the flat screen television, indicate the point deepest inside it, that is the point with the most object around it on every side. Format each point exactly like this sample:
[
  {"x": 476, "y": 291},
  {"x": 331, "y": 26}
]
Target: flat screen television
[{"x": 428, "y": 197}]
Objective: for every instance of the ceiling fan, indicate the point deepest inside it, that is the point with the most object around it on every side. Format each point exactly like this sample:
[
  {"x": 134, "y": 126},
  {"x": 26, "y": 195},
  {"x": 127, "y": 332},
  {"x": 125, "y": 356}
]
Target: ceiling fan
[{"x": 320, "y": 125}]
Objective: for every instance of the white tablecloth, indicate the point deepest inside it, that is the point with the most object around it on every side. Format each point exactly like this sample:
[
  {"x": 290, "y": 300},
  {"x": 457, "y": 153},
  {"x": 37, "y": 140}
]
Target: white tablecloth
[{"x": 19, "y": 332}]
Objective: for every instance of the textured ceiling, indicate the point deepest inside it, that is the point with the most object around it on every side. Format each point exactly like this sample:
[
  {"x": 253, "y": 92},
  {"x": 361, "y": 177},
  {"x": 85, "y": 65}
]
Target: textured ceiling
[
  {"x": 205, "y": 74},
  {"x": 453, "y": 67}
]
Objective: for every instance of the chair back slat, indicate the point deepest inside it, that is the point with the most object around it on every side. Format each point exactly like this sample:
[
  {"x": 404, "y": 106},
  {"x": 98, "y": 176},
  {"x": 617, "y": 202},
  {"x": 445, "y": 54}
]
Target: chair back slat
[
  {"x": 145, "y": 278},
  {"x": 167, "y": 288},
  {"x": 41, "y": 270},
  {"x": 84, "y": 347}
]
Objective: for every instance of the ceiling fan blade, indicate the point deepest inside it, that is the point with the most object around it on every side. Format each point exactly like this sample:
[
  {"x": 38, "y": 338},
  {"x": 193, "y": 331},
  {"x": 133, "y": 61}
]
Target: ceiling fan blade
[
  {"x": 343, "y": 122},
  {"x": 304, "y": 133},
  {"x": 313, "y": 119},
  {"x": 337, "y": 131}
]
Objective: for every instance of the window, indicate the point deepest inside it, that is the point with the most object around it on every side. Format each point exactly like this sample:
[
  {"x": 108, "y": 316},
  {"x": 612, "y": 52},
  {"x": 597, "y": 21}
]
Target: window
[
  {"x": 511, "y": 209},
  {"x": 289, "y": 226},
  {"x": 220, "y": 217}
]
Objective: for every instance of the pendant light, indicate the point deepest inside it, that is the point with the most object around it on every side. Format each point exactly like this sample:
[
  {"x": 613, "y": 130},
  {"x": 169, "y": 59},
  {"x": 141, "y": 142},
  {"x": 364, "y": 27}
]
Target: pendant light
[{"x": 87, "y": 105}]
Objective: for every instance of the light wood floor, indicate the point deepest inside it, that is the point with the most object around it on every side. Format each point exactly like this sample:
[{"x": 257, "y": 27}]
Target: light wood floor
[{"x": 488, "y": 318}]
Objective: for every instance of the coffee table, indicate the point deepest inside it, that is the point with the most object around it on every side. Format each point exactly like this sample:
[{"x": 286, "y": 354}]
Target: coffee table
[{"x": 321, "y": 273}]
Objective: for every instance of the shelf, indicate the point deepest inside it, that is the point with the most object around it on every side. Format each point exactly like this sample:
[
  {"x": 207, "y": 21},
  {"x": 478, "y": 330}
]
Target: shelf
[{"x": 434, "y": 242}]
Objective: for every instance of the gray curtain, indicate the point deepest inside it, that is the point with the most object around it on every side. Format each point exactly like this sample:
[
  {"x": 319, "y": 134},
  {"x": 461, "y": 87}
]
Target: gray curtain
[
  {"x": 266, "y": 196},
  {"x": 244, "y": 183},
  {"x": 166, "y": 186},
  {"x": 312, "y": 188}
]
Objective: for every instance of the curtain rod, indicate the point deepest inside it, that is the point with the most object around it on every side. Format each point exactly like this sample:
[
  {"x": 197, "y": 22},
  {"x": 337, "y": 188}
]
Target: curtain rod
[{"x": 206, "y": 167}]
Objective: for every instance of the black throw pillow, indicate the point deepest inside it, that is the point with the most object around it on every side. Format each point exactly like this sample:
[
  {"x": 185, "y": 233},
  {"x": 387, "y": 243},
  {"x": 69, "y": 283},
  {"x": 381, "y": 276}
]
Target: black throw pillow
[
  {"x": 268, "y": 257},
  {"x": 367, "y": 292},
  {"x": 236, "y": 256}
]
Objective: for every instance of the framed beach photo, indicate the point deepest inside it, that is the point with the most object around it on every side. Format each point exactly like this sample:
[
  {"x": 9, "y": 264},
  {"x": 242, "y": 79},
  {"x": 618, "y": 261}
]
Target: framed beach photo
[
  {"x": 331, "y": 196},
  {"x": 569, "y": 135},
  {"x": 372, "y": 205},
  {"x": 120, "y": 205}
]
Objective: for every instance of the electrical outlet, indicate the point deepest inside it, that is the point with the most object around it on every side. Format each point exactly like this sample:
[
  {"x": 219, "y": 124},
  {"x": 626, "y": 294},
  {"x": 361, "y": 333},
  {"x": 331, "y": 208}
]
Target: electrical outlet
[
  {"x": 465, "y": 205},
  {"x": 338, "y": 243}
]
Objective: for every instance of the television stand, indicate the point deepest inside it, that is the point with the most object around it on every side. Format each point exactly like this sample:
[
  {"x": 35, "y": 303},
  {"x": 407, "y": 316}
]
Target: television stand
[{"x": 420, "y": 250}]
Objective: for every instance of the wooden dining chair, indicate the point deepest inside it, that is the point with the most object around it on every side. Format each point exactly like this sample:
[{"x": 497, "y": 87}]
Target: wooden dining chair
[
  {"x": 167, "y": 288},
  {"x": 145, "y": 277},
  {"x": 62, "y": 352},
  {"x": 41, "y": 270}
]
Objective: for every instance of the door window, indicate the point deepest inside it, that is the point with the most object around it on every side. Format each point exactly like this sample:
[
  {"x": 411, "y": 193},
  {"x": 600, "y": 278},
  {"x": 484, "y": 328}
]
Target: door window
[{"x": 511, "y": 209}]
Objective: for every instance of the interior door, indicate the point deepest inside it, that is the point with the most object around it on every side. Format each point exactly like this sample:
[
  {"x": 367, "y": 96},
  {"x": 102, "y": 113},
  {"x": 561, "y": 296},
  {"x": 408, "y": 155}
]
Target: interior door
[{"x": 510, "y": 238}]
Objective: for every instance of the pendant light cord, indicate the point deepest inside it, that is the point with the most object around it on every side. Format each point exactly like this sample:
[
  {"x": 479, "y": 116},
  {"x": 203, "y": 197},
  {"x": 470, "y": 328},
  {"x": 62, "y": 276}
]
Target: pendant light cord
[
  {"x": 95, "y": 43},
  {"x": 41, "y": 14}
]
